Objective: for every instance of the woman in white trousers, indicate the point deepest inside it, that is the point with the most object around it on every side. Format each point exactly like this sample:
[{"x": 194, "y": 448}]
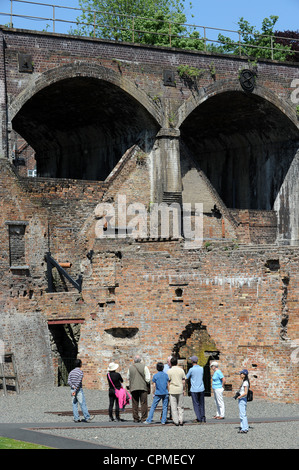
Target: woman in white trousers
[{"x": 218, "y": 382}]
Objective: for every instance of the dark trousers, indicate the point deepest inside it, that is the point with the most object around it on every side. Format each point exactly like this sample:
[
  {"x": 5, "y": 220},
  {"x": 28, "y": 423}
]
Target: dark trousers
[
  {"x": 113, "y": 399},
  {"x": 139, "y": 396},
  {"x": 198, "y": 400}
]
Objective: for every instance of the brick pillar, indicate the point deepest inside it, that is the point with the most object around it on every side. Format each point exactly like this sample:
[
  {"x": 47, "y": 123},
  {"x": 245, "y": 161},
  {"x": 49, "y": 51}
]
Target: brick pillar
[{"x": 169, "y": 145}]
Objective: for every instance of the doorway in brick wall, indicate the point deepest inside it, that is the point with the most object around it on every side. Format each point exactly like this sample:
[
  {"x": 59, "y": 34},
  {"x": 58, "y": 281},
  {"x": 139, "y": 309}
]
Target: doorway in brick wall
[
  {"x": 64, "y": 337},
  {"x": 196, "y": 341}
]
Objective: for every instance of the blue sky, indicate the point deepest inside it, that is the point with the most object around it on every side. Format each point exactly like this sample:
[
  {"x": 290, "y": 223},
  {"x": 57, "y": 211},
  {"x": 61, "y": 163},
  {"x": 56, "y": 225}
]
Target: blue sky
[
  {"x": 215, "y": 13},
  {"x": 226, "y": 13}
]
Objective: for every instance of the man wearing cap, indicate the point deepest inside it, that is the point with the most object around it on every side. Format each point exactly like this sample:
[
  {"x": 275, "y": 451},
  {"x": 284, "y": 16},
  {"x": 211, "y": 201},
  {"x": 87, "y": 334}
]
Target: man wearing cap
[
  {"x": 195, "y": 374},
  {"x": 218, "y": 382}
]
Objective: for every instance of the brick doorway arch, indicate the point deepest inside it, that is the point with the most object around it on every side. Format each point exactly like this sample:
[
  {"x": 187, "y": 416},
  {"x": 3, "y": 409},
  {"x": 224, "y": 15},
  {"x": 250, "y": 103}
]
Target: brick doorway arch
[{"x": 196, "y": 341}]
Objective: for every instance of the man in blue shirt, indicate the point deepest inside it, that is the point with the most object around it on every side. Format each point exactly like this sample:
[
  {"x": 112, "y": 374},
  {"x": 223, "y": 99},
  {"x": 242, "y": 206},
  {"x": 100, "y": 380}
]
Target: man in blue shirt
[
  {"x": 195, "y": 374},
  {"x": 160, "y": 392}
]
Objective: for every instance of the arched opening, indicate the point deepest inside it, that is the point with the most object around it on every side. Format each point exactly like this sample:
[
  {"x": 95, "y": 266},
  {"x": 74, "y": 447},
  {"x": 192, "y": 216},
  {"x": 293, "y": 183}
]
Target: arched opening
[
  {"x": 80, "y": 127},
  {"x": 196, "y": 341},
  {"x": 245, "y": 146}
]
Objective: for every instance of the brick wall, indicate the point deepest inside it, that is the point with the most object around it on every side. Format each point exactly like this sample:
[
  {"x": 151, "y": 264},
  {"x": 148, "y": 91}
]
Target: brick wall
[
  {"x": 226, "y": 291},
  {"x": 151, "y": 297},
  {"x": 143, "y": 296},
  {"x": 256, "y": 226}
]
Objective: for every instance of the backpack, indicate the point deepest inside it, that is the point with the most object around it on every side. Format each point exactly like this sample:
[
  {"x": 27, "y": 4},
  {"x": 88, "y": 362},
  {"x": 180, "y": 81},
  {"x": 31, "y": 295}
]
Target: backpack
[{"x": 249, "y": 395}]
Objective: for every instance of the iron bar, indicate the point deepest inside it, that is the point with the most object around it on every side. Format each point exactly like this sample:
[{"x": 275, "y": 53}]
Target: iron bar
[{"x": 52, "y": 263}]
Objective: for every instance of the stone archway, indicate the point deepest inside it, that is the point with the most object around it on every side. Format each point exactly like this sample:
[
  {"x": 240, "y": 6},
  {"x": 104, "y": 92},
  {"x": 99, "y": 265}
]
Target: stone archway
[
  {"x": 81, "y": 119},
  {"x": 247, "y": 146},
  {"x": 83, "y": 69},
  {"x": 196, "y": 341}
]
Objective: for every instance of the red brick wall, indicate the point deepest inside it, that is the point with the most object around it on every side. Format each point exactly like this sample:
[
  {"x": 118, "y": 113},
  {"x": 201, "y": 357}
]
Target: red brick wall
[
  {"x": 228, "y": 290},
  {"x": 237, "y": 293}
]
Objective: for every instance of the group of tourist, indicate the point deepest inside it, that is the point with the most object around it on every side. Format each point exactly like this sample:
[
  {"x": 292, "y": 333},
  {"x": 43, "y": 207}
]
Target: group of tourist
[{"x": 168, "y": 385}]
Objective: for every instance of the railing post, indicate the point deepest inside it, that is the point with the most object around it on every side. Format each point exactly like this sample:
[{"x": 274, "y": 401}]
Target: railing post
[
  {"x": 170, "y": 34},
  {"x": 94, "y": 24},
  {"x": 133, "y": 26},
  {"x": 53, "y": 18},
  {"x": 11, "y": 13},
  {"x": 272, "y": 51},
  {"x": 240, "y": 48},
  {"x": 205, "y": 38}
]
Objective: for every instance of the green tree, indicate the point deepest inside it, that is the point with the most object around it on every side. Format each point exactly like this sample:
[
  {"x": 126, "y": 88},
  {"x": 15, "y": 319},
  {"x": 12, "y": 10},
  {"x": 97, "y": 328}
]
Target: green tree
[
  {"x": 153, "y": 22},
  {"x": 254, "y": 43}
]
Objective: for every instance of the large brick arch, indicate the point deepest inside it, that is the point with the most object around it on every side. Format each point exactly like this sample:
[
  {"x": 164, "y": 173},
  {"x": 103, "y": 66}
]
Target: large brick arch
[
  {"x": 247, "y": 146},
  {"x": 91, "y": 91},
  {"x": 223, "y": 86},
  {"x": 83, "y": 69}
]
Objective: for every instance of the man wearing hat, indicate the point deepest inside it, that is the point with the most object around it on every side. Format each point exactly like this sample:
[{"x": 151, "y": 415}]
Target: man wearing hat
[
  {"x": 218, "y": 382},
  {"x": 114, "y": 380},
  {"x": 195, "y": 374}
]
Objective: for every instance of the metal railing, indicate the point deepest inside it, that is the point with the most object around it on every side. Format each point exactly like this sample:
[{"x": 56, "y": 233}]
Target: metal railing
[{"x": 136, "y": 33}]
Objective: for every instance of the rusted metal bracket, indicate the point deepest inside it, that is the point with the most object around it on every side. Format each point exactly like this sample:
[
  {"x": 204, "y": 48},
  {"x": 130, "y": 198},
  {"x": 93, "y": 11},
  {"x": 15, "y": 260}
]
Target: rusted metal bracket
[{"x": 51, "y": 263}]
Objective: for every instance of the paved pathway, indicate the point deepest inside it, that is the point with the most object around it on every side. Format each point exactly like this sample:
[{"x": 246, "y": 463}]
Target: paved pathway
[{"x": 37, "y": 432}]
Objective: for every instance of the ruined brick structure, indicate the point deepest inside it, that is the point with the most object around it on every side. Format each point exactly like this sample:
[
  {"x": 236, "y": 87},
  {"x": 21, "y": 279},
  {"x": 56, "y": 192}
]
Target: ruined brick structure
[{"x": 105, "y": 120}]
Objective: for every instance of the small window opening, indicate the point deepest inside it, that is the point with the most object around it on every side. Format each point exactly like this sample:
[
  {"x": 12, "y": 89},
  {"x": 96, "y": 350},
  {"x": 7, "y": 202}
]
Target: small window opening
[
  {"x": 272, "y": 265},
  {"x": 16, "y": 231},
  {"x": 179, "y": 292},
  {"x": 121, "y": 333}
]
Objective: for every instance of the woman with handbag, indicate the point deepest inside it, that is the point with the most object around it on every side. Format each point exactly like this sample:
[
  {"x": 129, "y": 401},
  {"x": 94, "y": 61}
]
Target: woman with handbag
[{"x": 115, "y": 383}]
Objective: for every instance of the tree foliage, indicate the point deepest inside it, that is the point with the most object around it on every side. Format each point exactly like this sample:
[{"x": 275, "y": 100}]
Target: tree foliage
[
  {"x": 163, "y": 23},
  {"x": 153, "y": 22},
  {"x": 254, "y": 43},
  {"x": 289, "y": 39}
]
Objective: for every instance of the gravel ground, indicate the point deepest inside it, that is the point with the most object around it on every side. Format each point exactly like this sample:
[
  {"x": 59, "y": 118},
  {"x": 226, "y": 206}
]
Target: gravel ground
[{"x": 37, "y": 407}]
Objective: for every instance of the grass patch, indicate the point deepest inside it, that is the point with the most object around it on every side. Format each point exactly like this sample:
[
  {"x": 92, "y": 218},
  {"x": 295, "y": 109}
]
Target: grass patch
[{"x": 6, "y": 443}]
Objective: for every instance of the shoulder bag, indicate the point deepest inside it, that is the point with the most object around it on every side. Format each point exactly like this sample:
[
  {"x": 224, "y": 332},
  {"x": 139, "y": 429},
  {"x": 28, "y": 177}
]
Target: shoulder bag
[{"x": 122, "y": 395}]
